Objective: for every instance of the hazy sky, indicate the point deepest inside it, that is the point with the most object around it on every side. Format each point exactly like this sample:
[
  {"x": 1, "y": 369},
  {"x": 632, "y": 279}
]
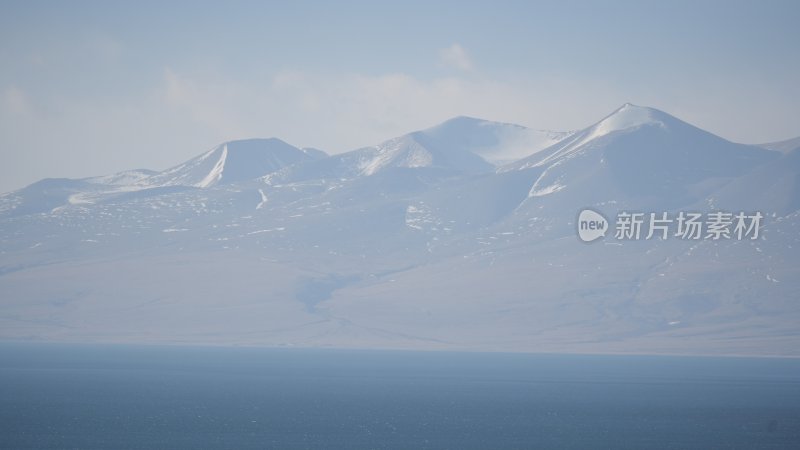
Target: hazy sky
[{"x": 88, "y": 88}]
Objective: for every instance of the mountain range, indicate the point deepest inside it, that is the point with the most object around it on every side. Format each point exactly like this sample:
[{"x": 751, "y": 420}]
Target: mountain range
[{"x": 458, "y": 237}]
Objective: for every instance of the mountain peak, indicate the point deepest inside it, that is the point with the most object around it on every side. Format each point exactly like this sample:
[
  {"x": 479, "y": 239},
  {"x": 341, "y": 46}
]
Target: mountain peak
[
  {"x": 495, "y": 142},
  {"x": 630, "y": 116},
  {"x": 233, "y": 161},
  {"x": 463, "y": 119},
  {"x": 468, "y": 124}
]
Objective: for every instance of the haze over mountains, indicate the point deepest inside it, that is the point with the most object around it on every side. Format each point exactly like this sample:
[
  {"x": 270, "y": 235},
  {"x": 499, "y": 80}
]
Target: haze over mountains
[{"x": 461, "y": 236}]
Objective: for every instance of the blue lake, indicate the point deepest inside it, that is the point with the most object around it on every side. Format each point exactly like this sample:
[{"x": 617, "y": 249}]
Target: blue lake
[{"x": 119, "y": 396}]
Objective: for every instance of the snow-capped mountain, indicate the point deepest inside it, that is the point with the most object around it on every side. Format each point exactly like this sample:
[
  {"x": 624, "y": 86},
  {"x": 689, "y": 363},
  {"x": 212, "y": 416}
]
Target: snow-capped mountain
[
  {"x": 457, "y": 146},
  {"x": 783, "y": 146},
  {"x": 234, "y": 161},
  {"x": 774, "y": 187},
  {"x": 463, "y": 144},
  {"x": 643, "y": 156},
  {"x": 497, "y": 143},
  {"x": 228, "y": 163},
  {"x": 429, "y": 240},
  {"x": 125, "y": 178}
]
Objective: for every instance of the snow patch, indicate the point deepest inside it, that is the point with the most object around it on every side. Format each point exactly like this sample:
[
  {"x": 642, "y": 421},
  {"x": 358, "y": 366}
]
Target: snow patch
[
  {"x": 266, "y": 231},
  {"x": 421, "y": 217},
  {"x": 628, "y": 116},
  {"x": 399, "y": 152},
  {"x": 263, "y": 201},
  {"x": 546, "y": 190},
  {"x": 216, "y": 173}
]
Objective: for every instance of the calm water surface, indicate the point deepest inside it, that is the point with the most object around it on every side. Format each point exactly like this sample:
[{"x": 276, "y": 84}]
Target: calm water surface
[{"x": 85, "y": 396}]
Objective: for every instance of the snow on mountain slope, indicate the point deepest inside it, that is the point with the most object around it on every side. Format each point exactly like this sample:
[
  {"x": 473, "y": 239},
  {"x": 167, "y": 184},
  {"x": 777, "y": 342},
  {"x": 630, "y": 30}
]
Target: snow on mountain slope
[
  {"x": 412, "y": 151},
  {"x": 462, "y": 145},
  {"x": 773, "y": 187},
  {"x": 497, "y": 143},
  {"x": 46, "y": 195},
  {"x": 782, "y": 146},
  {"x": 639, "y": 156},
  {"x": 404, "y": 152},
  {"x": 125, "y": 178},
  {"x": 233, "y": 161},
  {"x": 418, "y": 242},
  {"x": 314, "y": 153}
]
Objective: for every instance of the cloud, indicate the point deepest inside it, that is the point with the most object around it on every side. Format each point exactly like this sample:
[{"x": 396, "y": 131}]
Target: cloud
[
  {"x": 16, "y": 102},
  {"x": 455, "y": 57},
  {"x": 339, "y": 112},
  {"x": 188, "y": 112},
  {"x": 212, "y": 105}
]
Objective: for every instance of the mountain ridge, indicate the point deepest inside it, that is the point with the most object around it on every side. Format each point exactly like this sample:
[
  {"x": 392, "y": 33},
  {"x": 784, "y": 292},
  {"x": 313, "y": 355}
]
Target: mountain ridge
[{"x": 397, "y": 246}]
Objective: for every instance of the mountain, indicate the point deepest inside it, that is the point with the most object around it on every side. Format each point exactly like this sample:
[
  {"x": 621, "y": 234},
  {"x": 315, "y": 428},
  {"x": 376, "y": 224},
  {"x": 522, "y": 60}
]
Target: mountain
[
  {"x": 234, "y": 161},
  {"x": 463, "y": 144},
  {"x": 428, "y": 240},
  {"x": 774, "y": 187},
  {"x": 636, "y": 159},
  {"x": 783, "y": 146},
  {"x": 639, "y": 157},
  {"x": 228, "y": 163},
  {"x": 458, "y": 146},
  {"x": 125, "y": 178},
  {"x": 497, "y": 143}
]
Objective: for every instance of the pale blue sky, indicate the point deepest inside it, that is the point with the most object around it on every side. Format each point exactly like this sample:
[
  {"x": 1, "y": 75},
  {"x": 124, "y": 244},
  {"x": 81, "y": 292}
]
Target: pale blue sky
[{"x": 88, "y": 88}]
